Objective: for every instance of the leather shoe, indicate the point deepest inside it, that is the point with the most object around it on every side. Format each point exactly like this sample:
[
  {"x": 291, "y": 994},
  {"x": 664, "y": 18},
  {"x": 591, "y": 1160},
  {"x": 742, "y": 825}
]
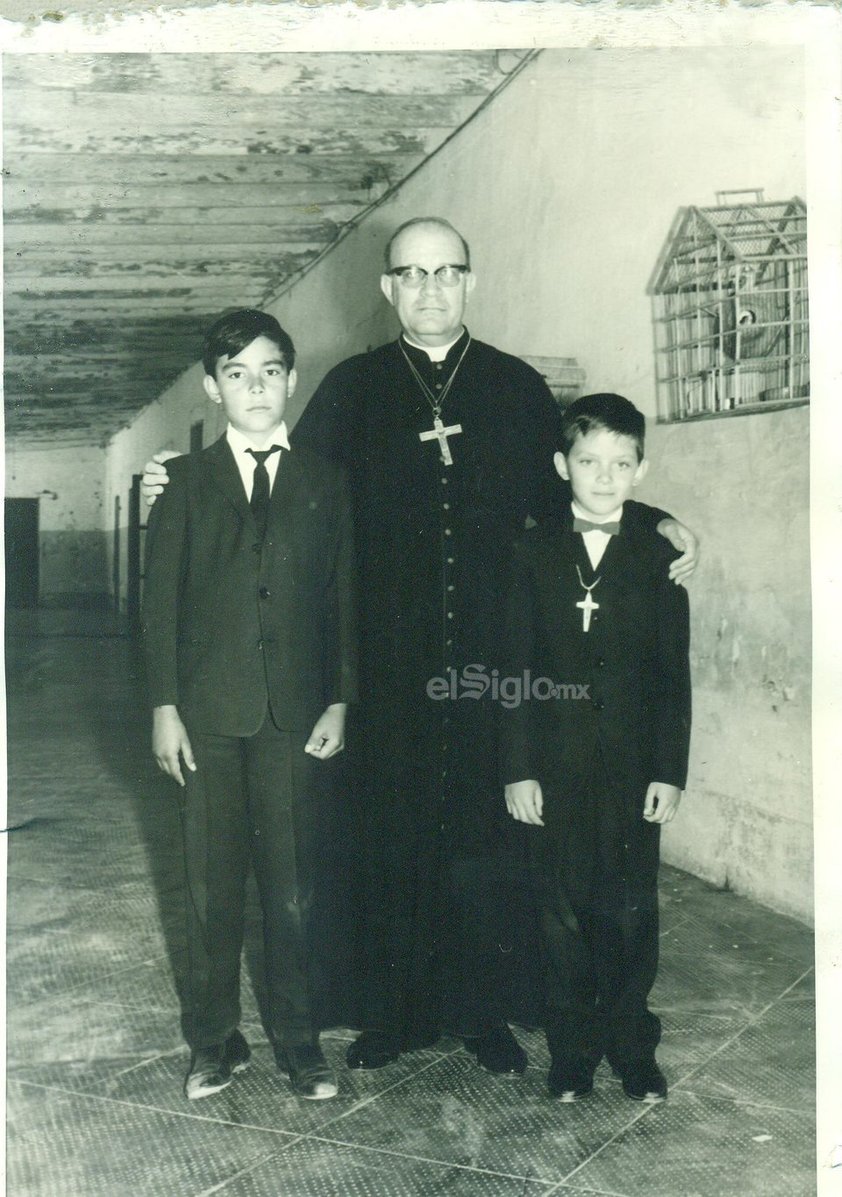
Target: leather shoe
[
  {"x": 644, "y": 1081},
  {"x": 372, "y": 1049},
  {"x": 498, "y": 1051},
  {"x": 570, "y": 1081},
  {"x": 310, "y": 1075},
  {"x": 376, "y": 1049},
  {"x": 211, "y": 1068}
]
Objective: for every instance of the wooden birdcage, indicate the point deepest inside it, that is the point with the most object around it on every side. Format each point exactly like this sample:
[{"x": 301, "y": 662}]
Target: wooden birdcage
[{"x": 731, "y": 309}]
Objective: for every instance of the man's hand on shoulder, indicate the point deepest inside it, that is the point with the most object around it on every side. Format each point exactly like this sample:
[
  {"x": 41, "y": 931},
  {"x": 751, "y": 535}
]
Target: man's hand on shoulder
[
  {"x": 687, "y": 544},
  {"x": 525, "y": 802},
  {"x": 155, "y": 476}
]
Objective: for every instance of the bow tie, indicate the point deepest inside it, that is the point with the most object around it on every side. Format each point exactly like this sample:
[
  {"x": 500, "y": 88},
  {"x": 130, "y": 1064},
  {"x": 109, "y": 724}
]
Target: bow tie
[{"x": 612, "y": 528}]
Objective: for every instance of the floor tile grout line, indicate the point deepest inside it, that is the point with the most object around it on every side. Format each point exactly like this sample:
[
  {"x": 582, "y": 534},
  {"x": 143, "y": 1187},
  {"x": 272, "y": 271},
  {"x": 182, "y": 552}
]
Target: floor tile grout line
[
  {"x": 640, "y": 1114},
  {"x": 223, "y": 1184},
  {"x": 363, "y": 1102},
  {"x": 152, "y": 1109},
  {"x": 743, "y": 1102},
  {"x": 590, "y": 1191},
  {"x": 750, "y": 1024},
  {"x": 424, "y": 1159},
  {"x": 81, "y": 984}
]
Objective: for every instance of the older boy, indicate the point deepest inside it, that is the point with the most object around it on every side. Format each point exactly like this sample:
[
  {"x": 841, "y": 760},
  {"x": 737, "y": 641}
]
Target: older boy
[
  {"x": 249, "y": 634},
  {"x": 597, "y": 769}
]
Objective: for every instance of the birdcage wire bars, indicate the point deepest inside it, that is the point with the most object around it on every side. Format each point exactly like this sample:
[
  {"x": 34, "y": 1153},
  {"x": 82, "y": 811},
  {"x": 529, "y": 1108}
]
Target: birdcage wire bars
[{"x": 731, "y": 310}]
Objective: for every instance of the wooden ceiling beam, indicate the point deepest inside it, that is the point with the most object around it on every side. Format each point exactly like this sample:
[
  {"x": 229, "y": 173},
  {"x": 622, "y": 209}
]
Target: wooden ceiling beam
[
  {"x": 95, "y": 214},
  {"x": 347, "y": 170},
  {"x": 145, "y": 123},
  {"x": 33, "y": 196},
  {"x": 175, "y": 302},
  {"x": 38, "y": 236},
  {"x": 33, "y": 374},
  {"x": 453, "y": 72},
  {"x": 43, "y": 261},
  {"x": 272, "y": 138},
  {"x": 104, "y": 275}
]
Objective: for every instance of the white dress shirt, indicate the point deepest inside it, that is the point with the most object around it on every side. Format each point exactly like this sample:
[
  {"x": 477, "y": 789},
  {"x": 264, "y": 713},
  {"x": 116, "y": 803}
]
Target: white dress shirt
[
  {"x": 246, "y": 464},
  {"x": 596, "y": 542}
]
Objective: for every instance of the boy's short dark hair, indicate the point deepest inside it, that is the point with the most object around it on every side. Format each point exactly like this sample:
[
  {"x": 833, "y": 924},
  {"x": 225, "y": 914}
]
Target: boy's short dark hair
[
  {"x": 233, "y": 331},
  {"x": 611, "y": 412}
]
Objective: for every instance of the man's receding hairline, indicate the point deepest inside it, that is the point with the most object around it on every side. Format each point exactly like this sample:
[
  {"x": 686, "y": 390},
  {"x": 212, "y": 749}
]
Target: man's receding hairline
[{"x": 430, "y": 221}]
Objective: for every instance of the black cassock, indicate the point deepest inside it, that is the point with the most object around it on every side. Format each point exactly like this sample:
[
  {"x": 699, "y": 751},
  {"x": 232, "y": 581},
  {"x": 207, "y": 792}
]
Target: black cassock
[{"x": 445, "y": 932}]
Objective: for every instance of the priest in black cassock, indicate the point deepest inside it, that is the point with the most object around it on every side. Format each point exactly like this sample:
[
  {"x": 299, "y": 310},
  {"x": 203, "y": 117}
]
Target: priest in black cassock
[{"x": 449, "y": 444}]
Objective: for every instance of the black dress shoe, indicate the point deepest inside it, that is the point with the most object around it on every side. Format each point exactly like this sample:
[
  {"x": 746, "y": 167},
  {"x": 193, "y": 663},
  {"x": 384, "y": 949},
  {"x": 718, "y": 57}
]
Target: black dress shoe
[
  {"x": 644, "y": 1081},
  {"x": 211, "y": 1068},
  {"x": 498, "y": 1051},
  {"x": 570, "y": 1081},
  {"x": 237, "y": 1052},
  {"x": 373, "y": 1049},
  {"x": 310, "y": 1075}
]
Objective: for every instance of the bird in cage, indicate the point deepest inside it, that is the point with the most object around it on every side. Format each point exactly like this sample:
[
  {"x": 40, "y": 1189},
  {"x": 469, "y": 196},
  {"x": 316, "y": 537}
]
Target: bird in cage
[{"x": 753, "y": 318}]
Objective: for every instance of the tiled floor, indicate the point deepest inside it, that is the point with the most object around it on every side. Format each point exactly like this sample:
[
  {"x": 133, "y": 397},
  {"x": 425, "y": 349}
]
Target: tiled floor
[{"x": 95, "y": 1060}]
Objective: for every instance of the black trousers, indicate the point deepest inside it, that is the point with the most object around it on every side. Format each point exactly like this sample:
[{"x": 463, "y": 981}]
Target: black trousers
[
  {"x": 598, "y": 917},
  {"x": 257, "y": 800}
]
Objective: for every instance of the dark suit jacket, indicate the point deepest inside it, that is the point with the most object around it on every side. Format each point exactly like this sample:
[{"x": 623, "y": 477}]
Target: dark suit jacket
[
  {"x": 230, "y": 626},
  {"x": 635, "y": 721}
]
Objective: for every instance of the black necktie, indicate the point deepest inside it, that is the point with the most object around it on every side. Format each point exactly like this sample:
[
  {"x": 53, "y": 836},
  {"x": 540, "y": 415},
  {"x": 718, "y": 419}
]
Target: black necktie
[{"x": 260, "y": 487}]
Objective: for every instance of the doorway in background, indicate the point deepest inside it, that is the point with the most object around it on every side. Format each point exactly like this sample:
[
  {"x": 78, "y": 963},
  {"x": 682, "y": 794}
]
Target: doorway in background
[{"x": 22, "y": 553}]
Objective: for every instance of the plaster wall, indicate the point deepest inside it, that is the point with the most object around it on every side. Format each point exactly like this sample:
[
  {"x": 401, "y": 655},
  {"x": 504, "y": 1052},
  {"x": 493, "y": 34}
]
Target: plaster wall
[
  {"x": 746, "y": 819},
  {"x": 567, "y": 186},
  {"x": 73, "y": 549}
]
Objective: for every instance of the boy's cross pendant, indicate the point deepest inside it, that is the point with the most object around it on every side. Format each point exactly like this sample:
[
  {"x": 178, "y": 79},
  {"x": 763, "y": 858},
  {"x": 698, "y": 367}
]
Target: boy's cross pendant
[
  {"x": 587, "y": 605},
  {"x": 440, "y": 433}
]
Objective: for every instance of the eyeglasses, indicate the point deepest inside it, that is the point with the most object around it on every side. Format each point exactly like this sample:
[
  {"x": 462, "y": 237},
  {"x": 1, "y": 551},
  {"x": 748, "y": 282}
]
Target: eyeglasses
[{"x": 415, "y": 276}]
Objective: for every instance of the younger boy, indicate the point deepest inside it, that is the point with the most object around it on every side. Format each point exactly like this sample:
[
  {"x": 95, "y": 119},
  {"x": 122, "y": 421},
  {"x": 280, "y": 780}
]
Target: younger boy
[
  {"x": 250, "y": 642},
  {"x": 598, "y": 768}
]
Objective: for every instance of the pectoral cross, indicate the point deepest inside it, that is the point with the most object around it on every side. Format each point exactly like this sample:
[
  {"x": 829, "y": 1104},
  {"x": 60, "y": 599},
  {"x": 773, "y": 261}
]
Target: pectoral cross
[
  {"x": 587, "y": 605},
  {"x": 440, "y": 433}
]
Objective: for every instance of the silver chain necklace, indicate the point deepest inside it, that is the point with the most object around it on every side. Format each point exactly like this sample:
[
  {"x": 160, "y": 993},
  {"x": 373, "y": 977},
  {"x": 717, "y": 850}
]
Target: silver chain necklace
[{"x": 435, "y": 401}]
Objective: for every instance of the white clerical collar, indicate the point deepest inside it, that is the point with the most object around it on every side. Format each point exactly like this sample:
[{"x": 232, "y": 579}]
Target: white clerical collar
[
  {"x": 239, "y": 442},
  {"x": 612, "y": 517},
  {"x": 436, "y": 353}
]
